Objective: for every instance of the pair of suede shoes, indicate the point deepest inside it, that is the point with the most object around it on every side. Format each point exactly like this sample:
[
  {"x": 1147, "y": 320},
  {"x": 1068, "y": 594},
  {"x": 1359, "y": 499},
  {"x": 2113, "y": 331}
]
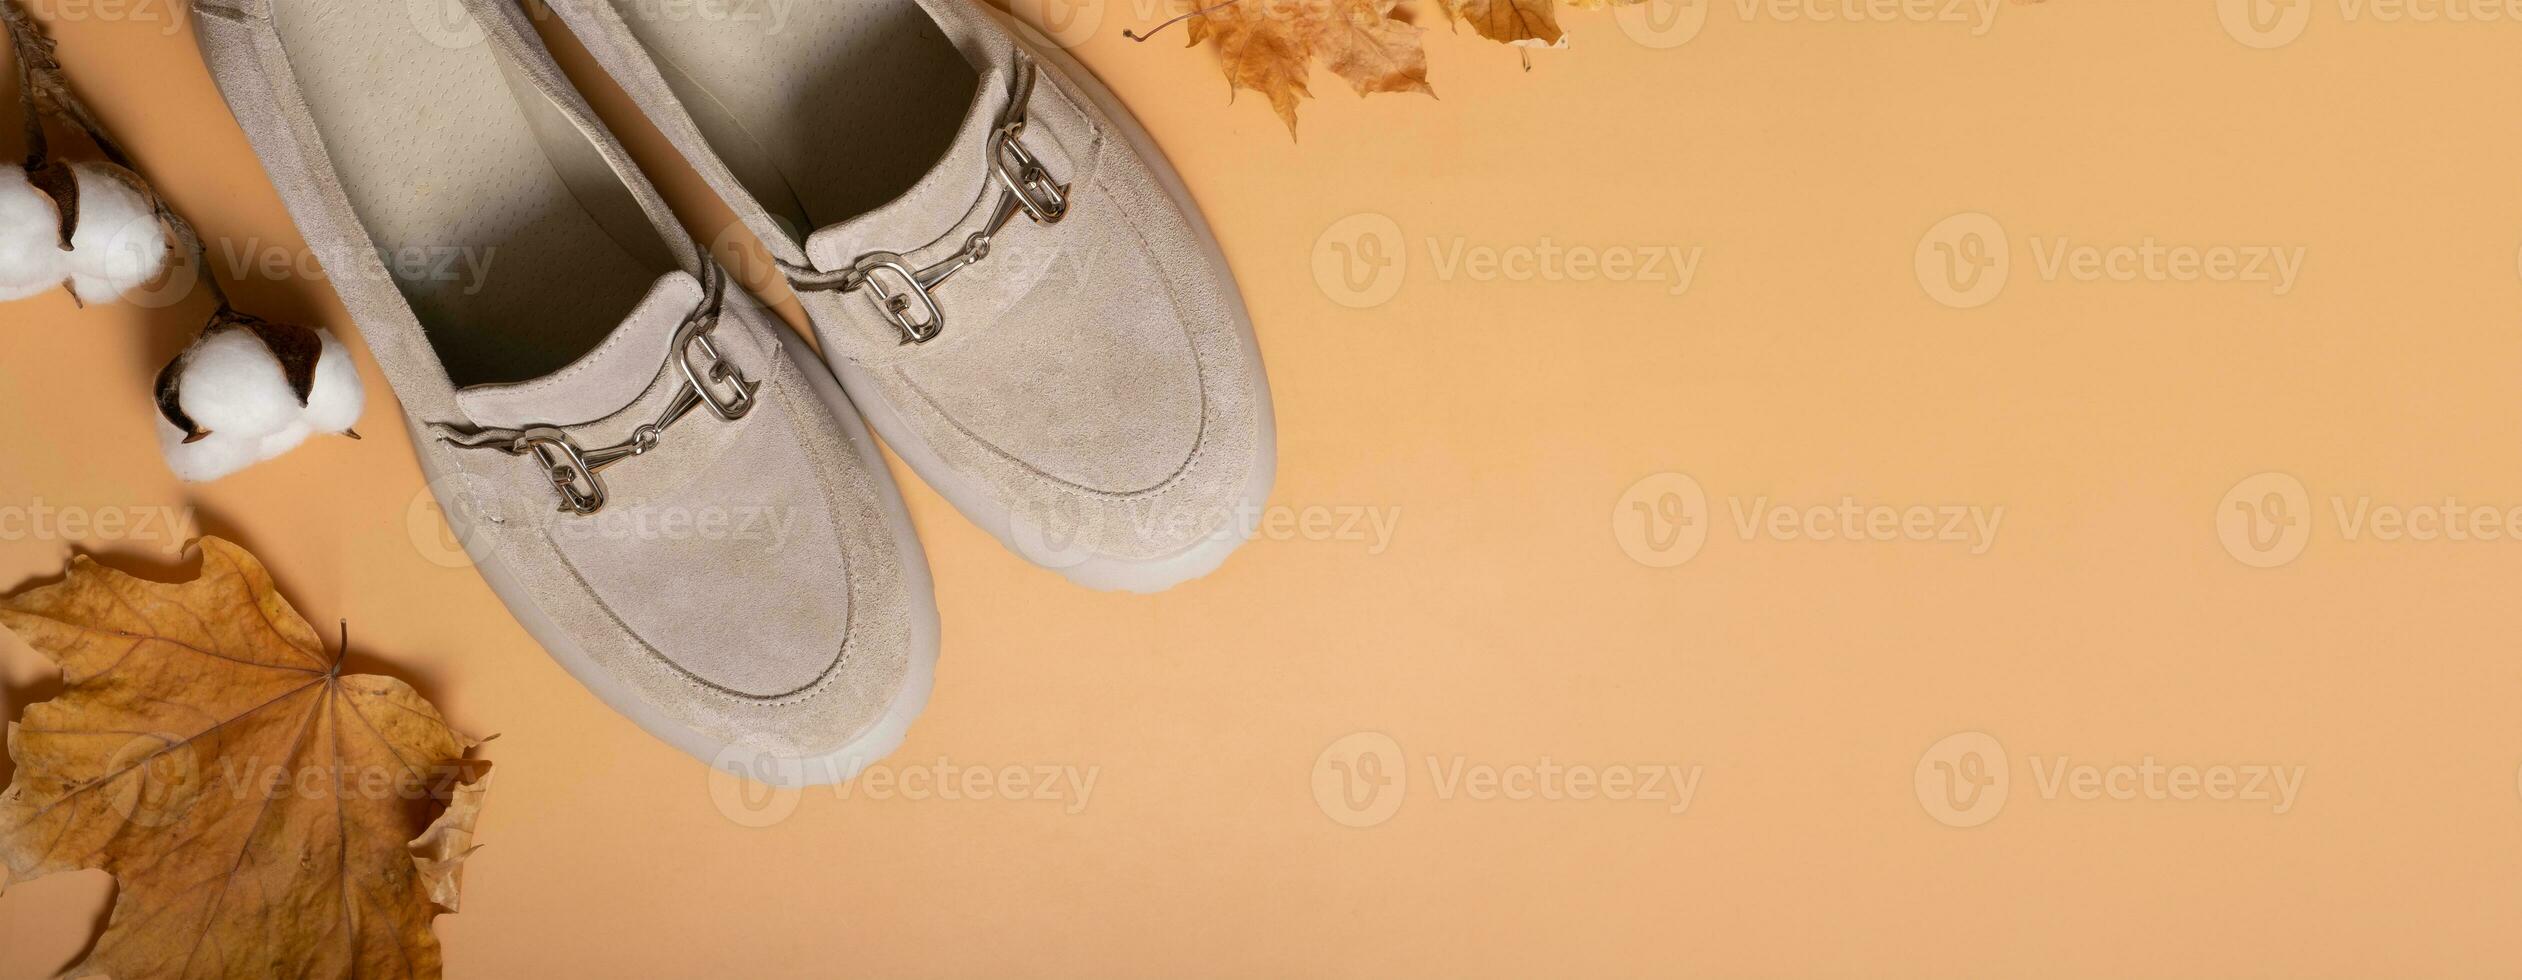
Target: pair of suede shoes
[{"x": 675, "y": 494}]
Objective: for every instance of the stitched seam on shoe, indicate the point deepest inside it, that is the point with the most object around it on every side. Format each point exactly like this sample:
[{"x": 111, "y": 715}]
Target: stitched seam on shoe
[
  {"x": 1199, "y": 443},
  {"x": 1093, "y": 128},
  {"x": 794, "y": 696},
  {"x": 1095, "y": 138}
]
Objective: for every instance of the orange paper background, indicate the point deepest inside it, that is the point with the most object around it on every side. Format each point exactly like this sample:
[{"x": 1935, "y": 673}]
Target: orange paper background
[{"x": 1525, "y": 615}]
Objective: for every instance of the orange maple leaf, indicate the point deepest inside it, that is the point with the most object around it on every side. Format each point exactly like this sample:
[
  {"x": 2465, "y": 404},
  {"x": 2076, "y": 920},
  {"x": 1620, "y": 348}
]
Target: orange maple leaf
[
  {"x": 1269, "y": 46},
  {"x": 263, "y": 813}
]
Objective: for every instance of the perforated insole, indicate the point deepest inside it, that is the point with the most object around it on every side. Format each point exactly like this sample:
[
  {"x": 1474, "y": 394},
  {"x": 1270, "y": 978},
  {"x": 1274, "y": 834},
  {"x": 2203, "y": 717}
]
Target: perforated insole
[
  {"x": 824, "y": 109},
  {"x": 512, "y": 275}
]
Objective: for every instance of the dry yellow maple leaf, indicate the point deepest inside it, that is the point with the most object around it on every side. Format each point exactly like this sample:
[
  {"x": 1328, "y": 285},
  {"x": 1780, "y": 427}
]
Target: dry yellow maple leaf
[
  {"x": 262, "y": 813},
  {"x": 1532, "y": 23},
  {"x": 1269, "y": 46}
]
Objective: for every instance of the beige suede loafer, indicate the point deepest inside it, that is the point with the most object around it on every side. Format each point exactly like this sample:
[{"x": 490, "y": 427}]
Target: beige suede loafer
[
  {"x": 1000, "y": 266},
  {"x": 662, "y": 482}
]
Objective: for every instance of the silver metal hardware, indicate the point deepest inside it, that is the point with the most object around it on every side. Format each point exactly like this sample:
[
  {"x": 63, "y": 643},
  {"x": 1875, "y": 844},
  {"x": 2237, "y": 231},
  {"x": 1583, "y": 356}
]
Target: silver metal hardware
[
  {"x": 581, "y": 490},
  {"x": 905, "y": 295},
  {"x": 712, "y": 380},
  {"x": 1019, "y": 173},
  {"x": 901, "y": 294},
  {"x": 705, "y": 381}
]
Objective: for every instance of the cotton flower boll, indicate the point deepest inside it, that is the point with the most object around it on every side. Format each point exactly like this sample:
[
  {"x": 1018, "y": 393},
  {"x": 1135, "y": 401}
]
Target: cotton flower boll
[
  {"x": 231, "y": 385},
  {"x": 338, "y": 397},
  {"x": 219, "y": 453},
  {"x": 31, "y": 259},
  {"x": 120, "y": 242},
  {"x": 231, "y": 394},
  {"x": 208, "y": 458}
]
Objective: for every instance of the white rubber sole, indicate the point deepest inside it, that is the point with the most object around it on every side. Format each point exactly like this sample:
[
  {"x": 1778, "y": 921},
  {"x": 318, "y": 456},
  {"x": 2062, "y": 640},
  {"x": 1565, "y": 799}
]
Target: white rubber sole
[
  {"x": 880, "y": 739},
  {"x": 1097, "y": 572}
]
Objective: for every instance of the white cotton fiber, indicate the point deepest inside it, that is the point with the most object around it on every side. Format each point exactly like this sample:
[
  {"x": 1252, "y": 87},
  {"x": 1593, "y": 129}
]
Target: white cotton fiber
[
  {"x": 31, "y": 259},
  {"x": 208, "y": 459},
  {"x": 120, "y": 242},
  {"x": 282, "y": 441},
  {"x": 233, "y": 388},
  {"x": 338, "y": 398},
  {"x": 231, "y": 385}
]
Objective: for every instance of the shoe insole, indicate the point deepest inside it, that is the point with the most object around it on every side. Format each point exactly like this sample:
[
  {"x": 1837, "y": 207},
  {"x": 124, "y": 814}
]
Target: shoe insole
[
  {"x": 514, "y": 242},
  {"x": 823, "y": 109}
]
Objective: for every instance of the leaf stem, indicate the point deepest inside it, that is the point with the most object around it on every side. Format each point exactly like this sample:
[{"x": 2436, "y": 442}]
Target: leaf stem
[{"x": 1177, "y": 18}]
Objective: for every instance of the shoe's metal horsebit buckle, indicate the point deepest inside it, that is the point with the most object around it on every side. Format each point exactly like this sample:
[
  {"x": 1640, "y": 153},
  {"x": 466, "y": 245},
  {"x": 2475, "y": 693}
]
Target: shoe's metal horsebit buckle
[
  {"x": 709, "y": 379},
  {"x": 907, "y": 295}
]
